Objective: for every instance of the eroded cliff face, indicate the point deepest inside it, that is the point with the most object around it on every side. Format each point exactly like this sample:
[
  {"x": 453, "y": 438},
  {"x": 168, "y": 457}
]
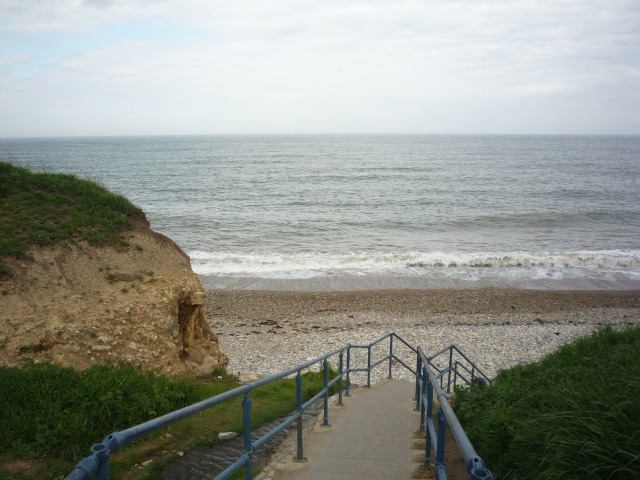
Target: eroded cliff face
[{"x": 77, "y": 305}]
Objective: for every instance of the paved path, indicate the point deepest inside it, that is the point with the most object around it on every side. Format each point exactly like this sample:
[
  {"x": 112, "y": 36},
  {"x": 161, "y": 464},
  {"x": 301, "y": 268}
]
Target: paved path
[{"x": 370, "y": 437}]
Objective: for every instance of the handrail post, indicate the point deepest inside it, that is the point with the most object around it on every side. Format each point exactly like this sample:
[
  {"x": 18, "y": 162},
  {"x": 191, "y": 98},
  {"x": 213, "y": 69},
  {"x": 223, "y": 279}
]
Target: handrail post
[
  {"x": 440, "y": 463},
  {"x": 455, "y": 375},
  {"x": 423, "y": 392},
  {"x": 390, "y": 353},
  {"x": 325, "y": 371},
  {"x": 101, "y": 452},
  {"x": 340, "y": 381},
  {"x": 429, "y": 409},
  {"x": 248, "y": 447},
  {"x": 418, "y": 373},
  {"x": 348, "y": 392},
  {"x": 449, "y": 373},
  {"x": 369, "y": 366},
  {"x": 299, "y": 452}
]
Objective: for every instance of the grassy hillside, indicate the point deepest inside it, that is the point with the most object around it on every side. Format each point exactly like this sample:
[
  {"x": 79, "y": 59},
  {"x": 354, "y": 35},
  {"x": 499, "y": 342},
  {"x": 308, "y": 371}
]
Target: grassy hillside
[
  {"x": 48, "y": 209},
  {"x": 573, "y": 415}
]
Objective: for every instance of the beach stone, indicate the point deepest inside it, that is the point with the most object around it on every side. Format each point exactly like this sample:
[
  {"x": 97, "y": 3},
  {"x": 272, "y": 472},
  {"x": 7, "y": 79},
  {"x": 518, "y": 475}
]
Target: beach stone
[
  {"x": 100, "y": 348},
  {"x": 121, "y": 277},
  {"x": 244, "y": 377},
  {"x": 197, "y": 298}
]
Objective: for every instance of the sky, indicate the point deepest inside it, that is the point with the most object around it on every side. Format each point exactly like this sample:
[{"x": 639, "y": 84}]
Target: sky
[{"x": 180, "y": 67}]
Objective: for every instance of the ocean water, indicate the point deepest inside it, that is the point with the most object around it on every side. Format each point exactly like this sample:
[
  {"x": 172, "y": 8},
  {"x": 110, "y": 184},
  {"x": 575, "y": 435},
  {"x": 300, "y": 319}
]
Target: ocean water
[{"x": 376, "y": 211}]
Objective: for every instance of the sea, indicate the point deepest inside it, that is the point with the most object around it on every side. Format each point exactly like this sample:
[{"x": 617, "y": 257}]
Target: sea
[{"x": 361, "y": 212}]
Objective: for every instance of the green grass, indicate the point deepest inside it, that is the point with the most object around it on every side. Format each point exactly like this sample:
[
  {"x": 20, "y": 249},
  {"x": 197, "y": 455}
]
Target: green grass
[
  {"x": 48, "y": 209},
  {"x": 573, "y": 415},
  {"x": 50, "y": 416}
]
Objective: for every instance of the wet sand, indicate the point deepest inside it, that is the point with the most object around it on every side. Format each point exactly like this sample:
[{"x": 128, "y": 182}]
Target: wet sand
[{"x": 237, "y": 306}]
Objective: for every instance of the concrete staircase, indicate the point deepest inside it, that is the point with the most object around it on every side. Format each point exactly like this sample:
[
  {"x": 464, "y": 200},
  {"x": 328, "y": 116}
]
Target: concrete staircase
[{"x": 370, "y": 437}]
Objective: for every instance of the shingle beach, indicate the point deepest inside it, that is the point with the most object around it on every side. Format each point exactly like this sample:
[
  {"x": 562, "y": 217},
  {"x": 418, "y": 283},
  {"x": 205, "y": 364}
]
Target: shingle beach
[{"x": 263, "y": 332}]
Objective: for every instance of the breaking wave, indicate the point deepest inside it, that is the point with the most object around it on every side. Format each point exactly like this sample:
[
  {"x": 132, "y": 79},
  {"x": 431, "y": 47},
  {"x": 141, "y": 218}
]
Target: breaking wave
[{"x": 302, "y": 265}]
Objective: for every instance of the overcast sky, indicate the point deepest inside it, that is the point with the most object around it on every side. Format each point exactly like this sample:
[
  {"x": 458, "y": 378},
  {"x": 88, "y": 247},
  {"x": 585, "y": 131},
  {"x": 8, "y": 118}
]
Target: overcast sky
[{"x": 156, "y": 67}]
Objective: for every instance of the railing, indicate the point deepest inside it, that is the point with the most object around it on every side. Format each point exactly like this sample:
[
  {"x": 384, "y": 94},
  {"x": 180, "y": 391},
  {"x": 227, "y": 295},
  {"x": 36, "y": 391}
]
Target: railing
[
  {"x": 450, "y": 361},
  {"x": 429, "y": 383},
  {"x": 96, "y": 465}
]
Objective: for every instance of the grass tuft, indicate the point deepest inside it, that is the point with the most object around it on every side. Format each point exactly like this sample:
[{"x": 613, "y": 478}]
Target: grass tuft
[
  {"x": 49, "y": 209},
  {"x": 574, "y": 414}
]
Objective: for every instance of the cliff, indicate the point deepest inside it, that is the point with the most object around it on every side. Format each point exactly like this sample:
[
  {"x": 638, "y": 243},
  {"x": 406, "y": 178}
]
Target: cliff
[{"x": 76, "y": 304}]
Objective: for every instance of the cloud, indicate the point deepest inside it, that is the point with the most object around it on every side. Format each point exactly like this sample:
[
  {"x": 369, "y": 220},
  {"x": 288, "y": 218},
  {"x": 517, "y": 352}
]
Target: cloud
[{"x": 294, "y": 65}]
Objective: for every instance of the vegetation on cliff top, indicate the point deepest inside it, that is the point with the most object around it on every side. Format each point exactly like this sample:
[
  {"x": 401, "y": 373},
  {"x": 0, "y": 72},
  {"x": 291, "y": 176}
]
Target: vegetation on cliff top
[
  {"x": 574, "y": 414},
  {"x": 48, "y": 209}
]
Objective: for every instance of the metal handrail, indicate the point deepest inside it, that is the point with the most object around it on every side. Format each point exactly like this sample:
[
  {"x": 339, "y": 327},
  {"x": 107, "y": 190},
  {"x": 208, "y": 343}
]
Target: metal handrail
[
  {"x": 452, "y": 368},
  {"x": 96, "y": 465},
  {"x": 428, "y": 386}
]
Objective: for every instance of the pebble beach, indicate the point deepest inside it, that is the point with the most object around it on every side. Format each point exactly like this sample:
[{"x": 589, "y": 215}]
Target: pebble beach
[{"x": 264, "y": 332}]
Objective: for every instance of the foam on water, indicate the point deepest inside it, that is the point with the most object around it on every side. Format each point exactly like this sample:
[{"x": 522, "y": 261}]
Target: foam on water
[
  {"x": 302, "y": 264},
  {"x": 574, "y": 270}
]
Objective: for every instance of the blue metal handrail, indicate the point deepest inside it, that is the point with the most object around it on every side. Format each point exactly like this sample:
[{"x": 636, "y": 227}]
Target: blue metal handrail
[
  {"x": 428, "y": 385},
  {"x": 454, "y": 366},
  {"x": 96, "y": 465}
]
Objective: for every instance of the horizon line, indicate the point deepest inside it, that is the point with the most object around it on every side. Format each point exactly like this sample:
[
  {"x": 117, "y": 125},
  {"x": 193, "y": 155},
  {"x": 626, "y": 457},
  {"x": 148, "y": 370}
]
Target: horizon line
[{"x": 149, "y": 135}]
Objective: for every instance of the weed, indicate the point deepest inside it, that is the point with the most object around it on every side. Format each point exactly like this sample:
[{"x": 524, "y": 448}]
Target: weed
[{"x": 5, "y": 271}]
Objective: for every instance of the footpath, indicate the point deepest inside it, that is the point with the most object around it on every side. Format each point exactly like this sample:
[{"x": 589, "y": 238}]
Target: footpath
[{"x": 370, "y": 437}]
